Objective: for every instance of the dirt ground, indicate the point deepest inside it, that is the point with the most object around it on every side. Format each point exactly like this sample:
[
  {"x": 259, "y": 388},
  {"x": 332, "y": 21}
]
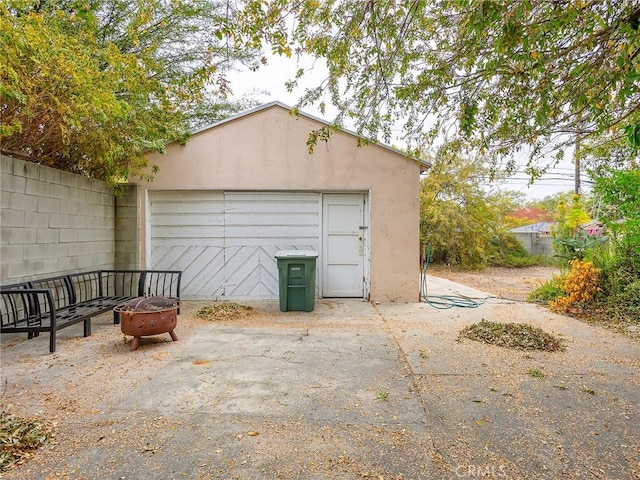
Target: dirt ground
[{"x": 511, "y": 283}]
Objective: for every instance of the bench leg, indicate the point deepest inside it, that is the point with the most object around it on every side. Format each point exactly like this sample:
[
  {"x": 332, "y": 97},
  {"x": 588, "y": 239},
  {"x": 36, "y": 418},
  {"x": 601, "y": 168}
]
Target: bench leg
[
  {"x": 52, "y": 341},
  {"x": 116, "y": 318},
  {"x": 87, "y": 327}
]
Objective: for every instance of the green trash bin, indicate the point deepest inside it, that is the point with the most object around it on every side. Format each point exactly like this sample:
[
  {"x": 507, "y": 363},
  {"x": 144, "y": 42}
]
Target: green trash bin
[{"x": 297, "y": 277}]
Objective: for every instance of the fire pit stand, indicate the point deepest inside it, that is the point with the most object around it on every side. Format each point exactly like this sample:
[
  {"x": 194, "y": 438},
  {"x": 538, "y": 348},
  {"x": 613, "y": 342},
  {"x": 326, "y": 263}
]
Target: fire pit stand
[{"x": 145, "y": 316}]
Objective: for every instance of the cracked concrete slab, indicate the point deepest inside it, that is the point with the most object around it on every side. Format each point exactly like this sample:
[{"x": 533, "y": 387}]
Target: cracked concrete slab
[{"x": 351, "y": 390}]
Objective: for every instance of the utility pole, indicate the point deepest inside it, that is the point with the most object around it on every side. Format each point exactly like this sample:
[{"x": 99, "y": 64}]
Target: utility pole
[
  {"x": 576, "y": 156},
  {"x": 576, "y": 161}
]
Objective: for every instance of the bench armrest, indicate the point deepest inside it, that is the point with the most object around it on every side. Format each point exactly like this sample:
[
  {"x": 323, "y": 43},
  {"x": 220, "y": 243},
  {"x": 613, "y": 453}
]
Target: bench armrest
[{"x": 27, "y": 308}]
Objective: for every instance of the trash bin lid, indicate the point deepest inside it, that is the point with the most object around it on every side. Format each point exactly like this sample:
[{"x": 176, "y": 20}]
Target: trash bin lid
[{"x": 296, "y": 254}]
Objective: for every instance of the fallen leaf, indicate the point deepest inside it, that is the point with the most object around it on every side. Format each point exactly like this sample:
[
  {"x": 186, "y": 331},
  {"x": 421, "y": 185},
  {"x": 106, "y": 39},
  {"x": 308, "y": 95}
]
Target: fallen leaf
[
  {"x": 149, "y": 449},
  {"x": 482, "y": 420},
  {"x": 201, "y": 362}
]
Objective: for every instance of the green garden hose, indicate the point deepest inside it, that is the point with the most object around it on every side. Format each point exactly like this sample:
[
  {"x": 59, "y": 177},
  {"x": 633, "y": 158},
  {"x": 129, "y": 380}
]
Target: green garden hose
[{"x": 443, "y": 302}]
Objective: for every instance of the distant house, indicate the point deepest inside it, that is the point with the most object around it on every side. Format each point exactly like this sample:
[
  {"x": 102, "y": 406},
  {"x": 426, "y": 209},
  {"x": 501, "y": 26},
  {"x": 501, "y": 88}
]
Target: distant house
[
  {"x": 593, "y": 228},
  {"x": 536, "y": 238}
]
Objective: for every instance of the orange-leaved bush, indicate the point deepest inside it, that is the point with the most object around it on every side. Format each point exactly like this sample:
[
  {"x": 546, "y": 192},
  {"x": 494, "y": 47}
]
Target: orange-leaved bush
[{"x": 580, "y": 286}]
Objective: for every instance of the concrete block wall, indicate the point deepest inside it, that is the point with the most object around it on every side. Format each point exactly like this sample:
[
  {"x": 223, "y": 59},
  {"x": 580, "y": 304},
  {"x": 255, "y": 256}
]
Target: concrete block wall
[
  {"x": 127, "y": 229},
  {"x": 536, "y": 244},
  {"x": 52, "y": 222}
]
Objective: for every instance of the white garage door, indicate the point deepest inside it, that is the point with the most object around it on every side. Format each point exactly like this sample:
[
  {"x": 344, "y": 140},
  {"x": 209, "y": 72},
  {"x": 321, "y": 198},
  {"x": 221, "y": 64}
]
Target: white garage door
[{"x": 225, "y": 242}]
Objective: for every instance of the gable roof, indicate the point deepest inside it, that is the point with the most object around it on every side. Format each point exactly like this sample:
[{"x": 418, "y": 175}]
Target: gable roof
[{"x": 424, "y": 165}]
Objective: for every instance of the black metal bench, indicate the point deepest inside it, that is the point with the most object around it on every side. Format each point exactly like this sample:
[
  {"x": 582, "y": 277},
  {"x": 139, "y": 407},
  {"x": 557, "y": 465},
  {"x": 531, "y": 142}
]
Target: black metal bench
[{"x": 50, "y": 304}]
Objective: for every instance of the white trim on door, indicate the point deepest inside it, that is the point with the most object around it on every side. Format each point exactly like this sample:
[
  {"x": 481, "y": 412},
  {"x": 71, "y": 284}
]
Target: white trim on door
[
  {"x": 344, "y": 245},
  {"x": 367, "y": 247}
]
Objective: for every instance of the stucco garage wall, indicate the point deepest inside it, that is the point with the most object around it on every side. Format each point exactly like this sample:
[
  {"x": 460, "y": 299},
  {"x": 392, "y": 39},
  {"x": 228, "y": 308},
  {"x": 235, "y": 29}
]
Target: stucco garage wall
[
  {"x": 267, "y": 151},
  {"x": 52, "y": 222}
]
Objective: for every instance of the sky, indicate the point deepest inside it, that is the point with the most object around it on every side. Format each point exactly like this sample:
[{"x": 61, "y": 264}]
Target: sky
[{"x": 267, "y": 84}]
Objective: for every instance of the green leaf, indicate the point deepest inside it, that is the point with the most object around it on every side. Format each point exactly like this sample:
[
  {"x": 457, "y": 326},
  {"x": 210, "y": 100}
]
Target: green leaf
[
  {"x": 91, "y": 87},
  {"x": 633, "y": 135}
]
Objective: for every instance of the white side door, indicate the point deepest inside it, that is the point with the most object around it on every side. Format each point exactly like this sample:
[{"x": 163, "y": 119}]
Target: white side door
[{"x": 343, "y": 245}]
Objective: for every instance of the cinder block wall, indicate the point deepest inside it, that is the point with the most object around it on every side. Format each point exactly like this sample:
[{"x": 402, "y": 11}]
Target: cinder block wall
[
  {"x": 52, "y": 222},
  {"x": 127, "y": 229},
  {"x": 536, "y": 245}
]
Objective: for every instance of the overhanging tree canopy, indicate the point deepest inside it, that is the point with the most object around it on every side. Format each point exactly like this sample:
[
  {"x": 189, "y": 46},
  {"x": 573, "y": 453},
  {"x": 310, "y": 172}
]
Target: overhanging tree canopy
[
  {"x": 503, "y": 75},
  {"x": 461, "y": 221},
  {"x": 90, "y": 87}
]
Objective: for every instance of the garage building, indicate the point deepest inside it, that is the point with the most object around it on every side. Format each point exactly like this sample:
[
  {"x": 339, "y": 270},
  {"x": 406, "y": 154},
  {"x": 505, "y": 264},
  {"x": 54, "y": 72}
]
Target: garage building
[{"x": 222, "y": 205}]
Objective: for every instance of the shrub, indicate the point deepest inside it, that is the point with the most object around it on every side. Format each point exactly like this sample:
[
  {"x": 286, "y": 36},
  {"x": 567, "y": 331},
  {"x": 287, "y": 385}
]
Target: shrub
[
  {"x": 509, "y": 252},
  {"x": 580, "y": 285},
  {"x": 578, "y": 247},
  {"x": 548, "y": 291},
  {"x": 521, "y": 262},
  {"x": 618, "y": 268},
  {"x": 630, "y": 297}
]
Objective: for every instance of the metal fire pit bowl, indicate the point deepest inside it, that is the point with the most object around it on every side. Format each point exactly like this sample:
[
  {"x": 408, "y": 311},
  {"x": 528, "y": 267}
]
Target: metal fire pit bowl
[{"x": 145, "y": 316}]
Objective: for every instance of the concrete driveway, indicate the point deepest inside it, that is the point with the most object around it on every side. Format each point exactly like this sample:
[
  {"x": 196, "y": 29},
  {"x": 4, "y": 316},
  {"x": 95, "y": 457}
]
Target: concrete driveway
[{"x": 351, "y": 390}]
